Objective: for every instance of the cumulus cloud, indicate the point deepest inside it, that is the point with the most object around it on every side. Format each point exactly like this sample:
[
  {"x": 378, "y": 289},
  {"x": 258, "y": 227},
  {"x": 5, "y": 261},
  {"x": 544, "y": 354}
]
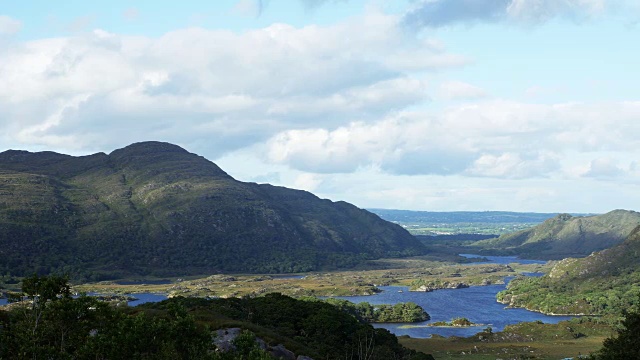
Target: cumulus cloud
[
  {"x": 308, "y": 182},
  {"x": 437, "y": 13},
  {"x": 514, "y": 166},
  {"x": 9, "y": 25},
  {"x": 100, "y": 90},
  {"x": 495, "y": 138}
]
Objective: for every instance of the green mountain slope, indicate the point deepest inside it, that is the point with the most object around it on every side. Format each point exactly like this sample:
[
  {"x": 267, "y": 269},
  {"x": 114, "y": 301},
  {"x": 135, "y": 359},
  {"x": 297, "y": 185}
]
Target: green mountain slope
[
  {"x": 155, "y": 209},
  {"x": 605, "y": 282},
  {"x": 566, "y": 236}
]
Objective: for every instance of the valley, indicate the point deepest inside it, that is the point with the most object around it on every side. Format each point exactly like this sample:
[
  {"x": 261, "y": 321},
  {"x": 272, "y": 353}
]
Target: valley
[
  {"x": 398, "y": 272},
  {"x": 383, "y": 286},
  {"x": 156, "y": 222}
]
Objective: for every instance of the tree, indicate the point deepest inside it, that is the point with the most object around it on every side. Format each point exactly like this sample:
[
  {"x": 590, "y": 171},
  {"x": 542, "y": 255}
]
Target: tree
[{"x": 626, "y": 345}]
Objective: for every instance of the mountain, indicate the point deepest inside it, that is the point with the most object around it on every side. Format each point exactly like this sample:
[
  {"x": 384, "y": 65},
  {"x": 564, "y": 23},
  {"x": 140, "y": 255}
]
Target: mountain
[
  {"x": 566, "y": 236},
  {"x": 605, "y": 282},
  {"x": 153, "y": 208}
]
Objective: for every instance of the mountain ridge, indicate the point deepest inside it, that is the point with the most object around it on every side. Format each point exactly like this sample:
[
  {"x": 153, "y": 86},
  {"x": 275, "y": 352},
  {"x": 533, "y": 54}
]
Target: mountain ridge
[
  {"x": 154, "y": 208},
  {"x": 566, "y": 236},
  {"x": 605, "y": 282}
]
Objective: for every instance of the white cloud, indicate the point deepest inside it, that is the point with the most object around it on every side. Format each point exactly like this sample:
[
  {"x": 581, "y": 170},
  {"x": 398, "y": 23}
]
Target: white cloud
[
  {"x": 488, "y": 139},
  {"x": 514, "y": 166},
  {"x": 194, "y": 83},
  {"x": 9, "y": 26},
  {"x": 308, "y": 182}
]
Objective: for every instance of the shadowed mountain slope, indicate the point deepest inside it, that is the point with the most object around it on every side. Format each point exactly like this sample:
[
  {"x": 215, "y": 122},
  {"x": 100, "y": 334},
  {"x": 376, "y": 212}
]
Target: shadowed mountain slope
[
  {"x": 566, "y": 236},
  {"x": 155, "y": 209}
]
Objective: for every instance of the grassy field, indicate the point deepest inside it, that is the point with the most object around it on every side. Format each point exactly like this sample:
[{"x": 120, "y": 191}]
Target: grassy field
[{"x": 446, "y": 348}]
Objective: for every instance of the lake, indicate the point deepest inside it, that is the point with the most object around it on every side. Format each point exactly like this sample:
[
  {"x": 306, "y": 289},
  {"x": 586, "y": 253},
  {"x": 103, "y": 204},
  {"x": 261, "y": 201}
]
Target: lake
[
  {"x": 476, "y": 303},
  {"x": 145, "y": 298}
]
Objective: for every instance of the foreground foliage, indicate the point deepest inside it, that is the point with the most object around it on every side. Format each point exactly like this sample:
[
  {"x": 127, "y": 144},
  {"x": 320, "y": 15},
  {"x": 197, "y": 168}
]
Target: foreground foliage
[
  {"x": 50, "y": 324},
  {"x": 626, "y": 344}
]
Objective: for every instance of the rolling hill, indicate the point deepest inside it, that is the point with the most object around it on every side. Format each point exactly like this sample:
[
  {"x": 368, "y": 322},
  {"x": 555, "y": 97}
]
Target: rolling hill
[
  {"x": 566, "y": 236},
  {"x": 153, "y": 208},
  {"x": 605, "y": 282}
]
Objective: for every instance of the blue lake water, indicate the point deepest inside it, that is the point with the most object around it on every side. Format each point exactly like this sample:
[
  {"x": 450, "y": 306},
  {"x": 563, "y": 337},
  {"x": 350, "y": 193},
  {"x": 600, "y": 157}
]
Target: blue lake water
[
  {"x": 476, "y": 303},
  {"x": 145, "y": 298}
]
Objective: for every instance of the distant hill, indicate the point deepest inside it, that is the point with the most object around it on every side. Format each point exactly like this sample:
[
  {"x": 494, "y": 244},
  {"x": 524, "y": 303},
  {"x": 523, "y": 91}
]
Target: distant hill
[
  {"x": 453, "y": 217},
  {"x": 566, "y": 236},
  {"x": 463, "y": 222},
  {"x": 605, "y": 282},
  {"x": 153, "y": 208}
]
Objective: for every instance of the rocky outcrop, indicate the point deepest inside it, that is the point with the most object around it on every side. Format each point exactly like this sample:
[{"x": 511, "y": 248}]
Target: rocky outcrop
[
  {"x": 281, "y": 352},
  {"x": 223, "y": 339}
]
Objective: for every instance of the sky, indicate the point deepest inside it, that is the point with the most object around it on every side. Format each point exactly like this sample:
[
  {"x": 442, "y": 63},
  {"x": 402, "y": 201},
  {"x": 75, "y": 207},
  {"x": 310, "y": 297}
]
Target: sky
[{"x": 434, "y": 105}]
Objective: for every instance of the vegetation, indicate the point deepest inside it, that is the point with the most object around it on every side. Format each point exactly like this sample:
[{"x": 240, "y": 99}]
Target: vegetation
[
  {"x": 565, "y": 236},
  {"x": 51, "y": 324},
  {"x": 457, "y": 322},
  {"x": 605, "y": 282},
  {"x": 154, "y": 209},
  {"x": 408, "y": 312},
  {"x": 530, "y": 340},
  {"x": 402, "y": 272},
  {"x": 625, "y": 344}
]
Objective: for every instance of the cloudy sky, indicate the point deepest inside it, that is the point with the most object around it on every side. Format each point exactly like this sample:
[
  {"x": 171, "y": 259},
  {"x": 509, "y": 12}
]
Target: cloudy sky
[{"x": 439, "y": 105}]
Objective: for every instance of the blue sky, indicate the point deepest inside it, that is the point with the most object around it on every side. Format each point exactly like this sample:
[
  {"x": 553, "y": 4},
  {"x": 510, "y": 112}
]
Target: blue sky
[{"x": 524, "y": 105}]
